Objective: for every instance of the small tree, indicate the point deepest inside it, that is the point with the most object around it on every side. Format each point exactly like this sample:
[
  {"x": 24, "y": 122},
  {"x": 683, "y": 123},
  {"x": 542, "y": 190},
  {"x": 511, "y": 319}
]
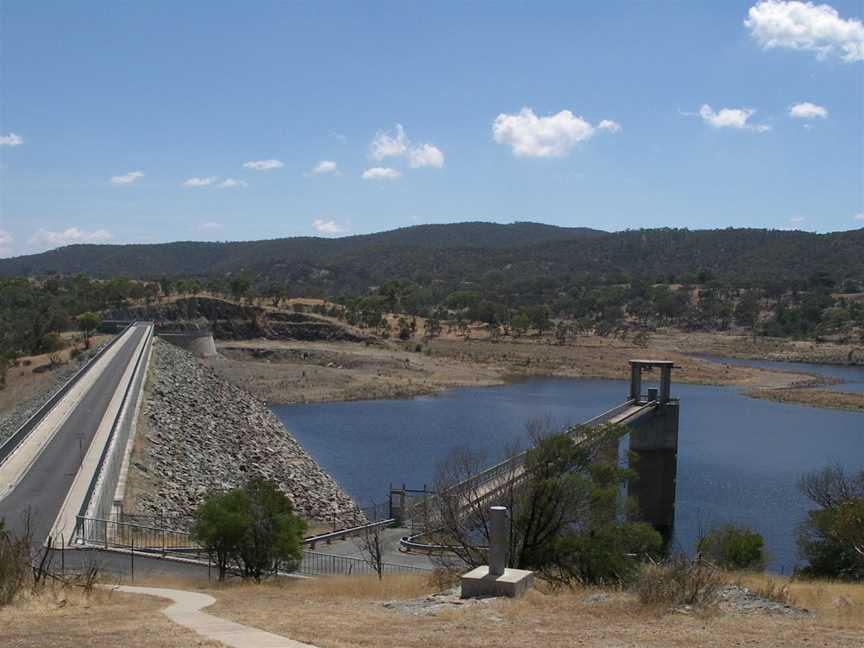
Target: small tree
[
  {"x": 253, "y": 526},
  {"x": 831, "y": 539},
  {"x": 88, "y": 322},
  {"x": 732, "y": 547}
]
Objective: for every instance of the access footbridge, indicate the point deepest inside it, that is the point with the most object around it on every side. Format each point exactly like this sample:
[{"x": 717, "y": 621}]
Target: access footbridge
[
  {"x": 651, "y": 419},
  {"x": 66, "y": 460}
]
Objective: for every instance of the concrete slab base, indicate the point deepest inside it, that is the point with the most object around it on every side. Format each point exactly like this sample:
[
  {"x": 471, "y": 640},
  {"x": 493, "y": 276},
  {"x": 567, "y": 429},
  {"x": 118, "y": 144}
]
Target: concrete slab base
[{"x": 479, "y": 582}]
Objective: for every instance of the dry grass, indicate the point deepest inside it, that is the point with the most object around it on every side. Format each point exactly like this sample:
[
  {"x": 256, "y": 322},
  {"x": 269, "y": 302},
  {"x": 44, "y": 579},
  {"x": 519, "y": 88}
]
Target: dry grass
[
  {"x": 337, "y": 613},
  {"x": 836, "y": 604},
  {"x": 343, "y": 612},
  {"x": 63, "y": 618}
]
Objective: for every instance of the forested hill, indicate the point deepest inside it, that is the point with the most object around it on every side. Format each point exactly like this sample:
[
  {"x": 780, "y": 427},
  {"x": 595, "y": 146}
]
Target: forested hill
[
  {"x": 187, "y": 258},
  {"x": 481, "y": 254}
]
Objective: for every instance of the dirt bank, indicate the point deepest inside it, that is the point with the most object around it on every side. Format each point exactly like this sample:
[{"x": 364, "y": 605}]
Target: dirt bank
[{"x": 302, "y": 372}]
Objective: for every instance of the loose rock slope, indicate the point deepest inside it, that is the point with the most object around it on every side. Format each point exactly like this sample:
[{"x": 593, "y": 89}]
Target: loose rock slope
[{"x": 201, "y": 433}]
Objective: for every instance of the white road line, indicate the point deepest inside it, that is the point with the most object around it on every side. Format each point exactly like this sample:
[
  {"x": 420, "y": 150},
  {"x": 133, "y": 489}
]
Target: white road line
[
  {"x": 65, "y": 522},
  {"x": 25, "y": 455}
]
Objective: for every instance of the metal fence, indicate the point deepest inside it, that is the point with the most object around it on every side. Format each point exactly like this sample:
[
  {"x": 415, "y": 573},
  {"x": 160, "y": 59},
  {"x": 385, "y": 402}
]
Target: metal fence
[
  {"x": 319, "y": 564},
  {"x": 11, "y": 443},
  {"x": 110, "y": 534}
]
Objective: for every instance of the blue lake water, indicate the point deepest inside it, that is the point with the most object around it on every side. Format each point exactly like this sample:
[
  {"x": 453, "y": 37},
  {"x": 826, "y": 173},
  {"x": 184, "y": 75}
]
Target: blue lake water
[
  {"x": 738, "y": 458},
  {"x": 852, "y": 376}
]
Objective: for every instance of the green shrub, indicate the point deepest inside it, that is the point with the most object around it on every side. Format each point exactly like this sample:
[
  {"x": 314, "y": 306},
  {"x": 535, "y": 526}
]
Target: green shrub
[
  {"x": 253, "y": 527},
  {"x": 733, "y": 547}
]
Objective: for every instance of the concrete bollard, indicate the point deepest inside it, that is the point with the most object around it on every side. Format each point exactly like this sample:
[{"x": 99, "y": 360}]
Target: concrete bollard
[
  {"x": 496, "y": 579},
  {"x": 497, "y": 540}
]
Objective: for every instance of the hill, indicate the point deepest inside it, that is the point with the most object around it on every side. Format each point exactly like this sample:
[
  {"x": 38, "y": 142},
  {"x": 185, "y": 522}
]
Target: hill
[
  {"x": 522, "y": 260},
  {"x": 184, "y": 258}
]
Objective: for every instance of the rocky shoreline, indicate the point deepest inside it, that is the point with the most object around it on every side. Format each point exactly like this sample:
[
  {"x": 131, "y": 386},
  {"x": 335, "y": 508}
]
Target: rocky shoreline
[{"x": 199, "y": 432}]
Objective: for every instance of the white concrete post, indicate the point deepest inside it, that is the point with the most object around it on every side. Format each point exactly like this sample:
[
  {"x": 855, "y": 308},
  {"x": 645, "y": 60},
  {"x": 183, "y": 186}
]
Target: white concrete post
[{"x": 497, "y": 540}]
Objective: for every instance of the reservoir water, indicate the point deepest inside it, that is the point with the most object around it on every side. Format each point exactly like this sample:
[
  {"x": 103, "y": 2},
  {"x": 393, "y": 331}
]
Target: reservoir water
[{"x": 739, "y": 458}]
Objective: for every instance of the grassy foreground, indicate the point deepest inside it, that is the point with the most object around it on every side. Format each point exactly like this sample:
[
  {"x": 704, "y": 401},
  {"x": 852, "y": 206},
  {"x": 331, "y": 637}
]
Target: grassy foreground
[{"x": 343, "y": 612}]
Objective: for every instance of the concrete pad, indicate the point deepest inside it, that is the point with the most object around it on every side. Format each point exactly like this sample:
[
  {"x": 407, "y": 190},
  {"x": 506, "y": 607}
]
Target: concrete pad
[
  {"x": 187, "y": 612},
  {"x": 512, "y": 583}
]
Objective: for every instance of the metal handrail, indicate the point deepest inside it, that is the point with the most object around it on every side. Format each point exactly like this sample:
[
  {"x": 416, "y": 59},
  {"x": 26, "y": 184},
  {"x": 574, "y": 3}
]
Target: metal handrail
[
  {"x": 20, "y": 435},
  {"x": 341, "y": 534},
  {"x": 85, "y": 505}
]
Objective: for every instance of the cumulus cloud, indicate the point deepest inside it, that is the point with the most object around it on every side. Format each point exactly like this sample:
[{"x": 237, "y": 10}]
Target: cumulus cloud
[
  {"x": 397, "y": 145},
  {"x": 11, "y": 139},
  {"x": 737, "y": 118},
  {"x": 531, "y": 136},
  {"x": 329, "y": 227},
  {"x": 231, "y": 183},
  {"x": 6, "y": 240},
  {"x": 807, "y": 110},
  {"x": 325, "y": 166},
  {"x": 381, "y": 173},
  {"x": 425, "y": 155},
  {"x": 806, "y": 26},
  {"x": 609, "y": 126},
  {"x": 385, "y": 145},
  {"x": 71, "y": 235},
  {"x": 200, "y": 182},
  {"x": 859, "y": 216},
  {"x": 263, "y": 165},
  {"x": 128, "y": 178}
]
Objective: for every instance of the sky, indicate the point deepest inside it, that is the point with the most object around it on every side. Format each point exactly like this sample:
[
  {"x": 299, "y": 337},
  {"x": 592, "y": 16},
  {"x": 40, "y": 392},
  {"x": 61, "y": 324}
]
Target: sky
[{"x": 155, "y": 121}]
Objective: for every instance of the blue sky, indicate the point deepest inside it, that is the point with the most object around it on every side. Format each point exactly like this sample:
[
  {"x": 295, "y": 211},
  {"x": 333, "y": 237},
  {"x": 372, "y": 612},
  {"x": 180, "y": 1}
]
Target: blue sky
[{"x": 621, "y": 115}]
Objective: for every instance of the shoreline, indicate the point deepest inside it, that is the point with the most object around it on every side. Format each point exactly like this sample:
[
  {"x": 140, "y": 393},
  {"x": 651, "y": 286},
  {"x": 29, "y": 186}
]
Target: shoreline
[{"x": 295, "y": 372}]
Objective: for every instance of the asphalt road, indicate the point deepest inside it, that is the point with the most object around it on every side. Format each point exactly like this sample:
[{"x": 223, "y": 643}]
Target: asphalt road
[{"x": 43, "y": 489}]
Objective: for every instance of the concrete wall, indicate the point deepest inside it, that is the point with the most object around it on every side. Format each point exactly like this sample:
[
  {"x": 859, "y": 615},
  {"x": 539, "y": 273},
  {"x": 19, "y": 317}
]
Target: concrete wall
[
  {"x": 655, "y": 443},
  {"x": 199, "y": 343}
]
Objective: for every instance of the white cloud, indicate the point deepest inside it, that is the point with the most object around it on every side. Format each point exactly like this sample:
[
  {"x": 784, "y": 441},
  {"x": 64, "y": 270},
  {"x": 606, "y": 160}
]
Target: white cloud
[
  {"x": 128, "y": 178},
  {"x": 806, "y": 26},
  {"x": 737, "y": 118},
  {"x": 200, "y": 182},
  {"x": 208, "y": 226},
  {"x": 328, "y": 227},
  {"x": 381, "y": 173},
  {"x": 397, "y": 145},
  {"x": 325, "y": 166},
  {"x": 859, "y": 216},
  {"x": 44, "y": 237},
  {"x": 425, "y": 155},
  {"x": 6, "y": 240},
  {"x": 797, "y": 220},
  {"x": 531, "y": 136},
  {"x": 385, "y": 145},
  {"x": 609, "y": 126},
  {"x": 231, "y": 183},
  {"x": 263, "y": 165},
  {"x": 807, "y": 110},
  {"x": 11, "y": 139}
]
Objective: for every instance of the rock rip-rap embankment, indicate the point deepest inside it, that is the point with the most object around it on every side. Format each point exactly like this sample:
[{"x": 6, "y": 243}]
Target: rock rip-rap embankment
[{"x": 203, "y": 433}]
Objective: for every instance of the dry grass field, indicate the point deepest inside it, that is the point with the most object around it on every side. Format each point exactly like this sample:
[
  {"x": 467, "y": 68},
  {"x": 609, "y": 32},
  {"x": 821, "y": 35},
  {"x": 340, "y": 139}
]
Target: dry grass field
[
  {"x": 68, "y": 618},
  {"x": 364, "y": 612}
]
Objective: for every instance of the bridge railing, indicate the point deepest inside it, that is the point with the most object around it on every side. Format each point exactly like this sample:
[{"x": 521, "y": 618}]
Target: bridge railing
[
  {"x": 510, "y": 465},
  {"x": 17, "y": 437},
  {"x": 321, "y": 564}
]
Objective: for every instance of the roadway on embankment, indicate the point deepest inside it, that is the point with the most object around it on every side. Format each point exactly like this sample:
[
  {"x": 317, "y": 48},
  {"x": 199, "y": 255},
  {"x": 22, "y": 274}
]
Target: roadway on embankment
[{"x": 43, "y": 489}]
